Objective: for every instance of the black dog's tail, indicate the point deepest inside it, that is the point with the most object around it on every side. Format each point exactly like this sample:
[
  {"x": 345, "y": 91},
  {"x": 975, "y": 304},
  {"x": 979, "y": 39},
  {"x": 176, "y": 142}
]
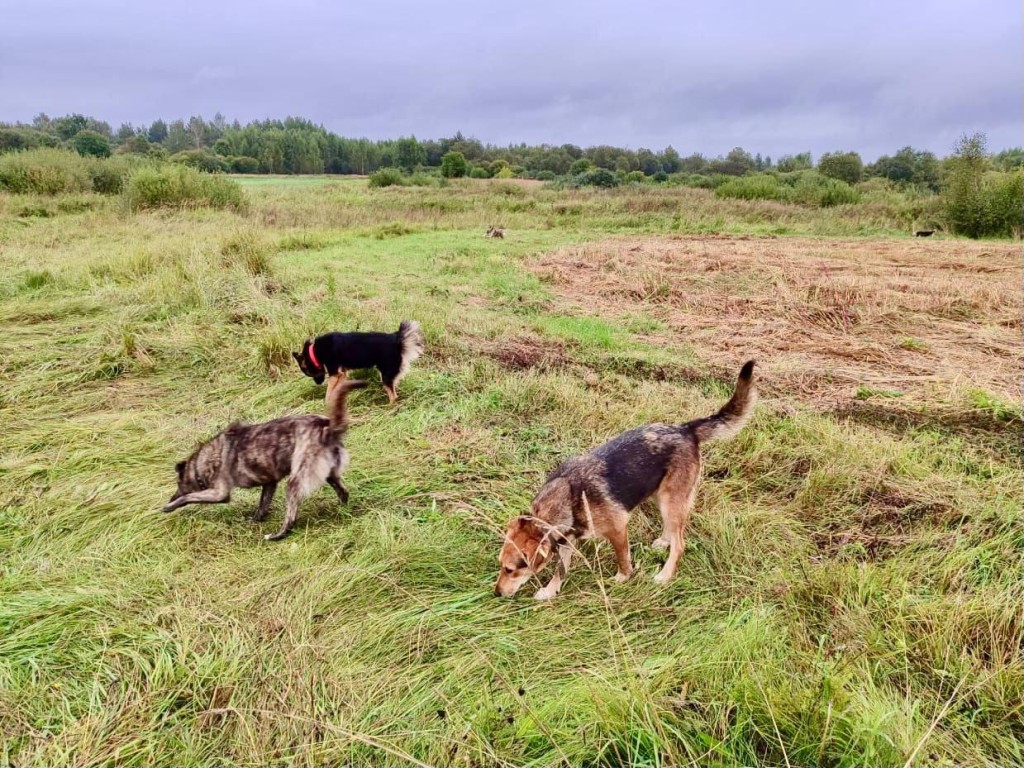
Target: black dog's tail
[
  {"x": 411, "y": 338},
  {"x": 339, "y": 409},
  {"x": 734, "y": 415}
]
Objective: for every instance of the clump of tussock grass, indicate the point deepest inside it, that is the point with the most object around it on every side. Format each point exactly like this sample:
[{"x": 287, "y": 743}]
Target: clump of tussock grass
[
  {"x": 179, "y": 186},
  {"x": 248, "y": 249}
]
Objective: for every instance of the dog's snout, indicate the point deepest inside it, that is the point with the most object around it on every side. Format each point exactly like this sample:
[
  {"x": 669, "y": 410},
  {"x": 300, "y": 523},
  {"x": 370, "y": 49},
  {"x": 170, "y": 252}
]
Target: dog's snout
[{"x": 497, "y": 592}]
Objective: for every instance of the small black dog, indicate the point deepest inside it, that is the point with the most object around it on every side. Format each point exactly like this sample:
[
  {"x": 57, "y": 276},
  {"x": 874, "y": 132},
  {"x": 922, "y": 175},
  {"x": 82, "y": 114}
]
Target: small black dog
[{"x": 333, "y": 354}]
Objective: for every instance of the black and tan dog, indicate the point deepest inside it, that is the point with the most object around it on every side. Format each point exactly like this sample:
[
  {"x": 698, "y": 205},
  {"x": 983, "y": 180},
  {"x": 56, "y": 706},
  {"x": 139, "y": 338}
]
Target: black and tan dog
[
  {"x": 592, "y": 495},
  {"x": 306, "y": 449},
  {"x": 334, "y": 354}
]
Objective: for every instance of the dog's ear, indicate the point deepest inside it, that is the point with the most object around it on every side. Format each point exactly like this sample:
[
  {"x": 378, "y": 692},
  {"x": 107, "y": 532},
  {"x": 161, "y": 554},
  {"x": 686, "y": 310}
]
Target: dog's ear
[{"x": 180, "y": 468}]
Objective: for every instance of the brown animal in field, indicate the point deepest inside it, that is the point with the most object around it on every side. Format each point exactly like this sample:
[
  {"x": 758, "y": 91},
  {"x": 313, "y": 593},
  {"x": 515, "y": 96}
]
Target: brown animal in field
[
  {"x": 591, "y": 495},
  {"x": 495, "y": 232}
]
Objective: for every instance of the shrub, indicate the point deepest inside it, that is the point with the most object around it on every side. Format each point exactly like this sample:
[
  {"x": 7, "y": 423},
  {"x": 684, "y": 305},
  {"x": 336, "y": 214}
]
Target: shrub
[
  {"x": 243, "y": 164},
  {"x": 387, "y": 177},
  {"x": 1004, "y": 198},
  {"x": 91, "y": 144},
  {"x": 823, "y": 192},
  {"x": 599, "y": 177},
  {"x": 179, "y": 186},
  {"x": 45, "y": 172},
  {"x": 108, "y": 175},
  {"x": 760, "y": 187},
  {"x": 844, "y": 166},
  {"x": 479, "y": 172},
  {"x": 506, "y": 173},
  {"x": 546, "y": 176},
  {"x": 453, "y": 165},
  {"x": 202, "y": 159},
  {"x": 660, "y": 177},
  {"x": 583, "y": 165},
  {"x": 634, "y": 177},
  {"x": 966, "y": 196}
]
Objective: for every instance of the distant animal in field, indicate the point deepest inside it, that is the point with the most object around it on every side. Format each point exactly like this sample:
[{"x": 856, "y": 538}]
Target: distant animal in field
[
  {"x": 306, "y": 449},
  {"x": 334, "y": 354},
  {"x": 592, "y": 495},
  {"x": 495, "y": 232},
  {"x": 924, "y": 233}
]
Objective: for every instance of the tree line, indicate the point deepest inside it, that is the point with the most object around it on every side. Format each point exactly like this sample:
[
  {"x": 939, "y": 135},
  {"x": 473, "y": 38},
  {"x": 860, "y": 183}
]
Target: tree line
[{"x": 299, "y": 146}]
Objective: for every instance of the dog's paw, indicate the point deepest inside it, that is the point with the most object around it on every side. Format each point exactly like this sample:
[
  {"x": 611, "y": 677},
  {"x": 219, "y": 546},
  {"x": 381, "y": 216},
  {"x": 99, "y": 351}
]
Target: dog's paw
[
  {"x": 169, "y": 507},
  {"x": 662, "y": 578},
  {"x": 622, "y": 578},
  {"x": 661, "y": 543},
  {"x": 275, "y": 536},
  {"x": 545, "y": 594}
]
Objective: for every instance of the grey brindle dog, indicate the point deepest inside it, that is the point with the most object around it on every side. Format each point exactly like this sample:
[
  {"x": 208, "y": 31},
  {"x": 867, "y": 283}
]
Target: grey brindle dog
[{"x": 306, "y": 449}]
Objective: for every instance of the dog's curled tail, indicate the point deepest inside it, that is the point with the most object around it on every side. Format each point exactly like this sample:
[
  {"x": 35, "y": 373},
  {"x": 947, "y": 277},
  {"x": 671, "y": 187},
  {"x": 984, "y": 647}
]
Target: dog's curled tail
[
  {"x": 339, "y": 408},
  {"x": 411, "y": 338},
  {"x": 734, "y": 415}
]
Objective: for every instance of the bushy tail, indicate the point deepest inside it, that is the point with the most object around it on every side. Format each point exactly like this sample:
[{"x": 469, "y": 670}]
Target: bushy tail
[
  {"x": 411, "y": 338},
  {"x": 734, "y": 415},
  {"x": 338, "y": 408}
]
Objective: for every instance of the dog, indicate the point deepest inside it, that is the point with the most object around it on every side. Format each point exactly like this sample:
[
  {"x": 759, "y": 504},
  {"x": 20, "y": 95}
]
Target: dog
[
  {"x": 334, "y": 354},
  {"x": 306, "y": 449},
  {"x": 495, "y": 232},
  {"x": 592, "y": 495}
]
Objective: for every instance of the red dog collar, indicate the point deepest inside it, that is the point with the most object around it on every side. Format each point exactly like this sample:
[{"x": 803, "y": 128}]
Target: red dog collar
[{"x": 312, "y": 357}]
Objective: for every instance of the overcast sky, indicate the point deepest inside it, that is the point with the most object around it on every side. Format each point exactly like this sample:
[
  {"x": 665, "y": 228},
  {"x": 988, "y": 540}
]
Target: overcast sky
[{"x": 772, "y": 77}]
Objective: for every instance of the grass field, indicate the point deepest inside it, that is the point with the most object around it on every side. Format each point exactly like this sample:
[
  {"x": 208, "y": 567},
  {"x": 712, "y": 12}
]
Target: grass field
[{"x": 851, "y": 590}]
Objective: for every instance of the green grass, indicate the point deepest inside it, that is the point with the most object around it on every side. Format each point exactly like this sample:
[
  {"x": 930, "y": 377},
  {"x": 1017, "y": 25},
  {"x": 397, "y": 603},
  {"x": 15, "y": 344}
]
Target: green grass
[{"x": 850, "y": 594}]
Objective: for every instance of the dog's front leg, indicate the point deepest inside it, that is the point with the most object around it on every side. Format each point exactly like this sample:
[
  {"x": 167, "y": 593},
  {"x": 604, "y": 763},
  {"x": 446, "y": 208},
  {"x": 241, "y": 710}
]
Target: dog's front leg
[
  {"x": 555, "y": 585},
  {"x": 209, "y": 496}
]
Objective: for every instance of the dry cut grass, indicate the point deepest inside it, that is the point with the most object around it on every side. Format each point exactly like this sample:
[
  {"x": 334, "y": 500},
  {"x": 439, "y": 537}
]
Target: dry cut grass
[{"x": 829, "y": 321}]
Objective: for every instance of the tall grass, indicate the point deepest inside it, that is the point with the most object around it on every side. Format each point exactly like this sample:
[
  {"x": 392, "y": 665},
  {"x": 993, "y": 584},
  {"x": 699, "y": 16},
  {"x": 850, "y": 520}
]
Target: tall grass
[
  {"x": 179, "y": 186},
  {"x": 58, "y": 171}
]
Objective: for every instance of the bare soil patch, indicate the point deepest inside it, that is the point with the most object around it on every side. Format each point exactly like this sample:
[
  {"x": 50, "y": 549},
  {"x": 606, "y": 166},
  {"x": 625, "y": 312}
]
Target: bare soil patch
[{"x": 828, "y": 320}]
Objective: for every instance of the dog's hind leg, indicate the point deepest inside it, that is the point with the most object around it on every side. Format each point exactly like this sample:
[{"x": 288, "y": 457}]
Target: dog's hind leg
[
  {"x": 675, "y": 499},
  {"x": 265, "y": 498},
  {"x": 304, "y": 480},
  {"x": 291, "y": 511},
  {"x": 338, "y": 486}
]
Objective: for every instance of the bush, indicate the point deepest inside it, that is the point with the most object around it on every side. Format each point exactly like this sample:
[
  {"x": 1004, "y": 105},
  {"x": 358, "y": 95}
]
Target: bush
[
  {"x": 91, "y": 144},
  {"x": 660, "y": 177},
  {"x": 387, "y": 177},
  {"x": 479, "y": 172},
  {"x": 599, "y": 177},
  {"x": 243, "y": 164},
  {"x": 45, "y": 172},
  {"x": 179, "y": 186},
  {"x": 844, "y": 166},
  {"x": 820, "y": 191},
  {"x": 108, "y": 175},
  {"x": 453, "y": 165},
  {"x": 634, "y": 177},
  {"x": 201, "y": 159},
  {"x": 583, "y": 165},
  {"x": 1004, "y": 199},
  {"x": 546, "y": 176},
  {"x": 760, "y": 187}
]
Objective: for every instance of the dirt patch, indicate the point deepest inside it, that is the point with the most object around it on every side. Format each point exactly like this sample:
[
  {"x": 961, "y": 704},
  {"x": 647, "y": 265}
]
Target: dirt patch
[
  {"x": 829, "y": 321},
  {"x": 520, "y": 353}
]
